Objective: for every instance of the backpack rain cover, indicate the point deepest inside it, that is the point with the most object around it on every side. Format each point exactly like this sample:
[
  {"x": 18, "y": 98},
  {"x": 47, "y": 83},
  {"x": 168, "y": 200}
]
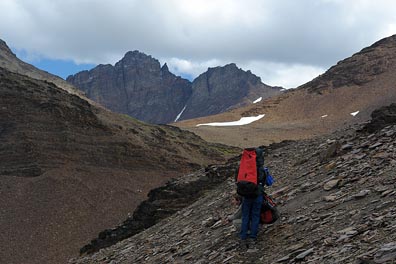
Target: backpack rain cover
[{"x": 247, "y": 174}]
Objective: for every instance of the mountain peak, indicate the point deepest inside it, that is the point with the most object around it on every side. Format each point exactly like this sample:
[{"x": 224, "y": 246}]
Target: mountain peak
[
  {"x": 135, "y": 53},
  {"x": 165, "y": 68},
  {"x": 5, "y": 49},
  {"x": 9, "y": 61},
  {"x": 222, "y": 88},
  {"x": 231, "y": 65},
  {"x": 136, "y": 58}
]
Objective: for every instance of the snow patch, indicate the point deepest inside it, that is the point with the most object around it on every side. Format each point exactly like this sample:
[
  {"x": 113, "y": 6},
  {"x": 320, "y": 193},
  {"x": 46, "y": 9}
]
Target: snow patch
[
  {"x": 179, "y": 115},
  {"x": 240, "y": 122},
  {"x": 258, "y": 100},
  {"x": 355, "y": 113}
]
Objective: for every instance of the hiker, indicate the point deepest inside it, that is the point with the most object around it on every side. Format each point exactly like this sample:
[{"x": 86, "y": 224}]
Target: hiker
[{"x": 251, "y": 204}]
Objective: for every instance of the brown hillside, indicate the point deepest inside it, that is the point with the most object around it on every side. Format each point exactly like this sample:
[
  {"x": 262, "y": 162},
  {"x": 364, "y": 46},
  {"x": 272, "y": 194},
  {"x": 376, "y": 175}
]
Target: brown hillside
[
  {"x": 337, "y": 201},
  {"x": 361, "y": 83},
  {"x": 69, "y": 169}
]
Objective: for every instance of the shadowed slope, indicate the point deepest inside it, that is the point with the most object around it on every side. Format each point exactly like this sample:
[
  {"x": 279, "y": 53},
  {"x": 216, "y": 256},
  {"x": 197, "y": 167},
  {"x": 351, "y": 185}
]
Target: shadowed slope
[{"x": 69, "y": 169}]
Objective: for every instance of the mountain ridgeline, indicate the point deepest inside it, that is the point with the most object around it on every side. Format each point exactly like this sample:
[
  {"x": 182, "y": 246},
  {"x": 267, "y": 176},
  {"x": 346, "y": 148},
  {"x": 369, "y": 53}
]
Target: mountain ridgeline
[
  {"x": 9, "y": 61},
  {"x": 137, "y": 85}
]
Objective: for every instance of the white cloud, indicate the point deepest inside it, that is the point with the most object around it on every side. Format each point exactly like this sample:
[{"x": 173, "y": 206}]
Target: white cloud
[
  {"x": 284, "y": 42},
  {"x": 191, "y": 68},
  {"x": 283, "y": 74},
  {"x": 275, "y": 74}
]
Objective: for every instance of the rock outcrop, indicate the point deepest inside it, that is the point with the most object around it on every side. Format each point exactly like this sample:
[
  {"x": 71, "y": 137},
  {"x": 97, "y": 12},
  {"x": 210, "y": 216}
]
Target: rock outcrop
[
  {"x": 338, "y": 210},
  {"x": 139, "y": 87},
  {"x": 381, "y": 118},
  {"x": 162, "y": 202}
]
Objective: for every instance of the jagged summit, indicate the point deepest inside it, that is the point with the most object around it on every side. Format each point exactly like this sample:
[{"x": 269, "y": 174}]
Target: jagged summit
[
  {"x": 138, "y": 86},
  {"x": 165, "y": 68},
  {"x": 220, "y": 89},
  {"x": 5, "y": 50},
  {"x": 136, "y": 58}
]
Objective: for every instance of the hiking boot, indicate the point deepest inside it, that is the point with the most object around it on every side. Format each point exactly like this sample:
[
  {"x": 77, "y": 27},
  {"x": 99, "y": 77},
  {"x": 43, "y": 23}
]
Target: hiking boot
[
  {"x": 252, "y": 245},
  {"x": 243, "y": 244}
]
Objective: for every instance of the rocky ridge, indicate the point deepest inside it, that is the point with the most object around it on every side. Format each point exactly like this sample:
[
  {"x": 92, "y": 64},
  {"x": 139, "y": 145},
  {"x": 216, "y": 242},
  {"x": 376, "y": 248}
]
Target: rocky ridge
[
  {"x": 337, "y": 199},
  {"x": 9, "y": 61},
  {"x": 359, "y": 69},
  {"x": 221, "y": 89},
  {"x": 138, "y": 86}
]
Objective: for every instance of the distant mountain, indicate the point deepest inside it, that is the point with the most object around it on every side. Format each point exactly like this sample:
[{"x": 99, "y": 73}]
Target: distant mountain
[
  {"x": 9, "y": 61},
  {"x": 69, "y": 169},
  {"x": 139, "y": 87},
  {"x": 220, "y": 89},
  {"x": 358, "y": 84}
]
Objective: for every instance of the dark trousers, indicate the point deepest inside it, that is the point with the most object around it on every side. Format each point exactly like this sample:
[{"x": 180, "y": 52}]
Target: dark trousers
[{"x": 250, "y": 217}]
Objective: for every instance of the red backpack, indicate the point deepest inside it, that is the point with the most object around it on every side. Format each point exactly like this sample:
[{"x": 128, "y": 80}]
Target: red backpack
[
  {"x": 269, "y": 212},
  {"x": 247, "y": 174}
]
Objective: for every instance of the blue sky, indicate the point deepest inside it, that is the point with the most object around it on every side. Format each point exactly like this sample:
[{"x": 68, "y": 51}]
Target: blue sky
[
  {"x": 61, "y": 68},
  {"x": 286, "y": 43}
]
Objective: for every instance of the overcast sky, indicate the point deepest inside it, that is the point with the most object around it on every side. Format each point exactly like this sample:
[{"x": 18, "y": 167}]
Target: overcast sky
[{"x": 286, "y": 43}]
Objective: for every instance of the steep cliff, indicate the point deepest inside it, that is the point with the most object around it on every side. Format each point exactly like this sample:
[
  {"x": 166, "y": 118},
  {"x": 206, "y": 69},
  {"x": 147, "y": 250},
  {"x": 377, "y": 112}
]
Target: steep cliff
[
  {"x": 137, "y": 86},
  {"x": 223, "y": 88}
]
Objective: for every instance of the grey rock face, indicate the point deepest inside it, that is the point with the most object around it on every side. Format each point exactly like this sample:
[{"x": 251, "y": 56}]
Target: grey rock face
[
  {"x": 137, "y": 86},
  {"x": 222, "y": 88}
]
